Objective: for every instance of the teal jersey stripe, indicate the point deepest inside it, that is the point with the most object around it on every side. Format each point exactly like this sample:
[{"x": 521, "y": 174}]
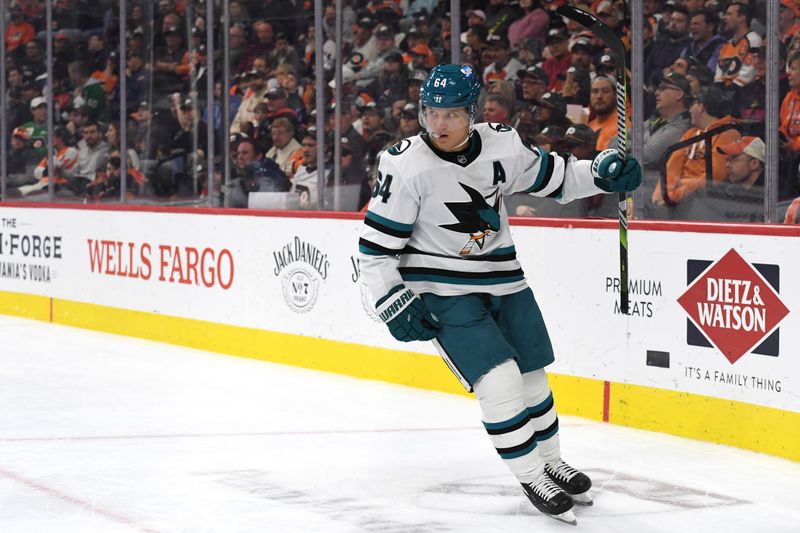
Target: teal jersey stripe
[
  {"x": 542, "y": 171},
  {"x": 504, "y": 251},
  {"x": 399, "y": 226},
  {"x": 368, "y": 251},
  {"x": 506, "y": 423},
  {"x": 462, "y": 281}
]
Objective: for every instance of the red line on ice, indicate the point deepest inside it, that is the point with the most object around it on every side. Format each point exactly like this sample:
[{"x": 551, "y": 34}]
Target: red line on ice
[{"x": 55, "y": 493}]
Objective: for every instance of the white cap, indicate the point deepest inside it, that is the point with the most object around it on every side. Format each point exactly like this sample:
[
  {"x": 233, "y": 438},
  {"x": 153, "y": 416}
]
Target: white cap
[
  {"x": 348, "y": 75},
  {"x": 37, "y": 101}
]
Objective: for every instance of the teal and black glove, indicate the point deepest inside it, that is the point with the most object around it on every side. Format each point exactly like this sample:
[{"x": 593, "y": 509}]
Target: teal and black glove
[
  {"x": 407, "y": 316},
  {"x": 611, "y": 175}
]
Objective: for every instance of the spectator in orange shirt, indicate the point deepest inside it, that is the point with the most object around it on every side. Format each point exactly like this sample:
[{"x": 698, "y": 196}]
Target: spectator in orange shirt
[
  {"x": 18, "y": 31},
  {"x": 790, "y": 108},
  {"x": 787, "y": 21},
  {"x": 603, "y": 108},
  {"x": 686, "y": 168},
  {"x": 737, "y": 57}
]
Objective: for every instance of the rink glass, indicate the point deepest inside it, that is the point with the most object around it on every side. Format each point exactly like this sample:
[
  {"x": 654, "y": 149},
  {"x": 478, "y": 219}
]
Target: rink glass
[{"x": 183, "y": 175}]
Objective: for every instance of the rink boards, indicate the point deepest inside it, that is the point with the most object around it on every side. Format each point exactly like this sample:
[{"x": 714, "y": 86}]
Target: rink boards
[{"x": 709, "y": 351}]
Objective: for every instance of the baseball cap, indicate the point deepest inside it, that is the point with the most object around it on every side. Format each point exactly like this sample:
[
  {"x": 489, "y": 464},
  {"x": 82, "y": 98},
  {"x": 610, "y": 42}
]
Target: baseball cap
[
  {"x": 187, "y": 104},
  {"x": 346, "y": 149},
  {"x": 606, "y": 6},
  {"x": 21, "y": 133},
  {"x": 393, "y": 57},
  {"x": 384, "y": 31},
  {"x": 39, "y": 100},
  {"x": 368, "y": 107},
  {"x": 555, "y": 35},
  {"x": 418, "y": 75},
  {"x": 608, "y": 60},
  {"x": 61, "y": 132},
  {"x": 477, "y": 12},
  {"x": 366, "y": 23},
  {"x": 348, "y": 76},
  {"x": 276, "y": 93},
  {"x": 534, "y": 72},
  {"x": 580, "y": 134},
  {"x": 497, "y": 40},
  {"x": 677, "y": 81},
  {"x": 585, "y": 44},
  {"x": 410, "y": 110},
  {"x": 554, "y": 101},
  {"x": 549, "y": 134},
  {"x": 752, "y": 146}
]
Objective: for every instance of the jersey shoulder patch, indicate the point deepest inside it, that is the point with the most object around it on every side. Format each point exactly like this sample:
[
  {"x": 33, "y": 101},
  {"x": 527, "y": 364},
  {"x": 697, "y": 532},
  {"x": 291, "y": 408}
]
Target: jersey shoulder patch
[
  {"x": 498, "y": 127},
  {"x": 399, "y": 147}
]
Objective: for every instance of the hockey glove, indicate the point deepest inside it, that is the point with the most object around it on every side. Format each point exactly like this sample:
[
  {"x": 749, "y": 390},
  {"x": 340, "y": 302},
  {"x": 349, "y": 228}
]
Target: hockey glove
[
  {"x": 407, "y": 316},
  {"x": 611, "y": 175}
]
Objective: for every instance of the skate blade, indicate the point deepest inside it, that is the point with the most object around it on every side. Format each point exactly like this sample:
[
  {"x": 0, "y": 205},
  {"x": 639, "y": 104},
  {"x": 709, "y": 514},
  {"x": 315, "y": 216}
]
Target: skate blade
[
  {"x": 582, "y": 499},
  {"x": 567, "y": 516}
]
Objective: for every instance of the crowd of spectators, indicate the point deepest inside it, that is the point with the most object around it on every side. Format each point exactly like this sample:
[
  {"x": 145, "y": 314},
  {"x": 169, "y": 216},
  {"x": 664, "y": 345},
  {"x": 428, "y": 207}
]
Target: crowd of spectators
[{"x": 546, "y": 76}]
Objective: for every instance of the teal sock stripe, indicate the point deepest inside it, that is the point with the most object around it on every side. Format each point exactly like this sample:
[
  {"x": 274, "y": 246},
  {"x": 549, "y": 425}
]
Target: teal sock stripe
[
  {"x": 547, "y": 433},
  {"x": 542, "y": 408},
  {"x": 510, "y": 453}
]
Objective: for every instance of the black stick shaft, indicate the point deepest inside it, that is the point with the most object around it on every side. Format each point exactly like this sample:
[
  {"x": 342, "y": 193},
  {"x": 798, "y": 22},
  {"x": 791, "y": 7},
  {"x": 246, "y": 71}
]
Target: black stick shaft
[{"x": 611, "y": 40}]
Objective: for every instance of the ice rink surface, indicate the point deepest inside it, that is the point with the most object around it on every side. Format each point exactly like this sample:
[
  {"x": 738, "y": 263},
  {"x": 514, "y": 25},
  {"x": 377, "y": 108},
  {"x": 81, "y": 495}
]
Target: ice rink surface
[{"x": 100, "y": 433}]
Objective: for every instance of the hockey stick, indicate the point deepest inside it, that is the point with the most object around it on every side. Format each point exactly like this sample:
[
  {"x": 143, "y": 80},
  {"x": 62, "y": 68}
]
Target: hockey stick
[{"x": 596, "y": 26}]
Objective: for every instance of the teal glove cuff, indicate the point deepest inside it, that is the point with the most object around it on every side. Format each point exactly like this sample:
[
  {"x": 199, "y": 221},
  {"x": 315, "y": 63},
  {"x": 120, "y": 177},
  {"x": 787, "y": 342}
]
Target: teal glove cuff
[
  {"x": 407, "y": 316},
  {"x": 611, "y": 175}
]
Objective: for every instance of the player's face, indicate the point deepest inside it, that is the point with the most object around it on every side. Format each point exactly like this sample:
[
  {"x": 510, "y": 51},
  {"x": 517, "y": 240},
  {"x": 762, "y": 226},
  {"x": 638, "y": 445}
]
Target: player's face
[
  {"x": 448, "y": 126},
  {"x": 794, "y": 73}
]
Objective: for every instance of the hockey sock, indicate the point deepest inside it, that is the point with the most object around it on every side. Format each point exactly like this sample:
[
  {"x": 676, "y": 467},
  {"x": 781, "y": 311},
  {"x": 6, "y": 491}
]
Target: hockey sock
[
  {"x": 505, "y": 417},
  {"x": 542, "y": 411}
]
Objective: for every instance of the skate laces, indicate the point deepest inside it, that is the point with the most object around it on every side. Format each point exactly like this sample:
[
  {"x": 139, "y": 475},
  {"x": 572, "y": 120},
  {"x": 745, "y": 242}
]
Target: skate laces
[
  {"x": 545, "y": 487},
  {"x": 561, "y": 470}
]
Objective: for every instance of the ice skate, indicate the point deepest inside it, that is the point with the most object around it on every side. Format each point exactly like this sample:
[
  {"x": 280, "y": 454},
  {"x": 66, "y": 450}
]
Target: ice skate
[
  {"x": 572, "y": 481},
  {"x": 550, "y": 499}
]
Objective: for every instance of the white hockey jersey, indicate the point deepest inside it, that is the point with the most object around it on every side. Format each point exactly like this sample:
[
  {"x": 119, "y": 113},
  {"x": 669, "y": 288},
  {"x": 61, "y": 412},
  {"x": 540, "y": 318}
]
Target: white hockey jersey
[{"x": 437, "y": 221}]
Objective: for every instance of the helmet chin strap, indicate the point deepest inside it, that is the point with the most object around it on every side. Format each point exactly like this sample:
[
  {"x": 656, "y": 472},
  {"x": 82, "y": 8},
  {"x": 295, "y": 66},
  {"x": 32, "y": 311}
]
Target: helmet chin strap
[{"x": 465, "y": 141}]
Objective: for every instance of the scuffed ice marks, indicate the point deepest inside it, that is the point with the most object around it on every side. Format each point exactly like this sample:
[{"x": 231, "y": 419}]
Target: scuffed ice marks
[
  {"x": 347, "y": 510},
  {"x": 498, "y": 496}
]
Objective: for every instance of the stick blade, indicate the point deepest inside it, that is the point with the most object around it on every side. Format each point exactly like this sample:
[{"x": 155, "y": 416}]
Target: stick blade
[{"x": 578, "y": 15}]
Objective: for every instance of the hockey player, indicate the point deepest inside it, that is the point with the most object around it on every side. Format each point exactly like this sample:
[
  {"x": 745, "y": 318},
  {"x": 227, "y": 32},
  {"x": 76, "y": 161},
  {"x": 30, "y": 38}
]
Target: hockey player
[{"x": 437, "y": 255}]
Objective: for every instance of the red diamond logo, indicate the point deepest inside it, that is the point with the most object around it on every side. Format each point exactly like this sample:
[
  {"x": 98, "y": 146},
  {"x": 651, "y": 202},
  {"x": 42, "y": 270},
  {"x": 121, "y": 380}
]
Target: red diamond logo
[{"x": 733, "y": 306}]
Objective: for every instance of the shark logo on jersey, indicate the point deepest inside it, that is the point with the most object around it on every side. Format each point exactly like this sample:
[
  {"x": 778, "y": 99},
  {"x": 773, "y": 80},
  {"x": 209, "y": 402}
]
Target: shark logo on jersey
[{"x": 475, "y": 217}]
